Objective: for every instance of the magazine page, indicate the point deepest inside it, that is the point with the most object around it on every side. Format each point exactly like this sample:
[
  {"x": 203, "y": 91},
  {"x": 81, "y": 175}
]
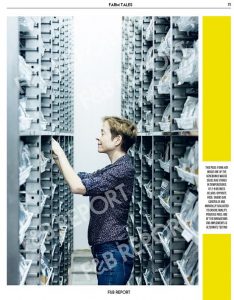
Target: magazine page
[{"x": 119, "y": 149}]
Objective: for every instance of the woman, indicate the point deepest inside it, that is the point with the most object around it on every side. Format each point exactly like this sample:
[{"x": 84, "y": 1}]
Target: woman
[{"x": 110, "y": 190}]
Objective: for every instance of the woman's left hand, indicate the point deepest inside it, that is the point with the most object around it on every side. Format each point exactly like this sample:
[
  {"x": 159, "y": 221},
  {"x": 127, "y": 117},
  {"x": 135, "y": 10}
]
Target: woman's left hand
[{"x": 56, "y": 148}]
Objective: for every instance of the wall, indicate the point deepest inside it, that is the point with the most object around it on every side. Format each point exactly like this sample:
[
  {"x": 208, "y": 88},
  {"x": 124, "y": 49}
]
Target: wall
[{"x": 97, "y": 93}]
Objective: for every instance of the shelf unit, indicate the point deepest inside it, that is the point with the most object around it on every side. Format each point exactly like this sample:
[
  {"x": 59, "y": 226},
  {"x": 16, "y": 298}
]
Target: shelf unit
[
  {"x": 150, "y": 85},
  {"x": 44, "y": 48}
]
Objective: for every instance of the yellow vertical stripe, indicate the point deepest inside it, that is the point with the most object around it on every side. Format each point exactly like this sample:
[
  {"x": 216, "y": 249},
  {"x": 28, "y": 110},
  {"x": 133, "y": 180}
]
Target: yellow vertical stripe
[
  {"x": 216, "y": 267},
  {"x": 217, "y": 88}
]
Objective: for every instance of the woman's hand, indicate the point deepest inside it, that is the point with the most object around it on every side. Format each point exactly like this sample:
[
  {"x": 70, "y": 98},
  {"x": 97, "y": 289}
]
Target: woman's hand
[
  {"x": 66, "y": 169},
  {"x": 56, "y": 149}
]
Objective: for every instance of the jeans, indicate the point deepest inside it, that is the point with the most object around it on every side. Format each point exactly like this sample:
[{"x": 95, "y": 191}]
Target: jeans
[{"x": 114, "y": 262}]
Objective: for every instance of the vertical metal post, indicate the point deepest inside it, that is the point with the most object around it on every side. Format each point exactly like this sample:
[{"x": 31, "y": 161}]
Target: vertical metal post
[{"x": 12, "y": 153}]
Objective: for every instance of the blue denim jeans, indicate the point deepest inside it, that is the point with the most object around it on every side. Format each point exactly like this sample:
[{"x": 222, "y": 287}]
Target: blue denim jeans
[{"x": 114, "y": 262}]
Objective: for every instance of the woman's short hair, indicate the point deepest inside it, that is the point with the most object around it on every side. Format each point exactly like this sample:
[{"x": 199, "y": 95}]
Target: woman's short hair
[{"x": 123, "y": 127}]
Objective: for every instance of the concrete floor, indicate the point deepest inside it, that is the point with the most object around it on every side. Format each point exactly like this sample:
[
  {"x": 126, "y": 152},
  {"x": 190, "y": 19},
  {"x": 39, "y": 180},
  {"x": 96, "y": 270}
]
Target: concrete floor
[{"x": 83, "y": 268}]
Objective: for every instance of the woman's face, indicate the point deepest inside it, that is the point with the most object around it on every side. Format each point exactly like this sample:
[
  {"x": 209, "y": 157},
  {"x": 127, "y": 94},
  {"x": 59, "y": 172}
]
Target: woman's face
[{"x": 105, "y": 141}]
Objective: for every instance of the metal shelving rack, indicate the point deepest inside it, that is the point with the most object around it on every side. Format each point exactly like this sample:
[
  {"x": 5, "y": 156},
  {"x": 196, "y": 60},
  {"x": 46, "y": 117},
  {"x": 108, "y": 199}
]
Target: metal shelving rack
[
  {"x": 46, "y": 45},
  {"x": 143, "y": 67}
]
